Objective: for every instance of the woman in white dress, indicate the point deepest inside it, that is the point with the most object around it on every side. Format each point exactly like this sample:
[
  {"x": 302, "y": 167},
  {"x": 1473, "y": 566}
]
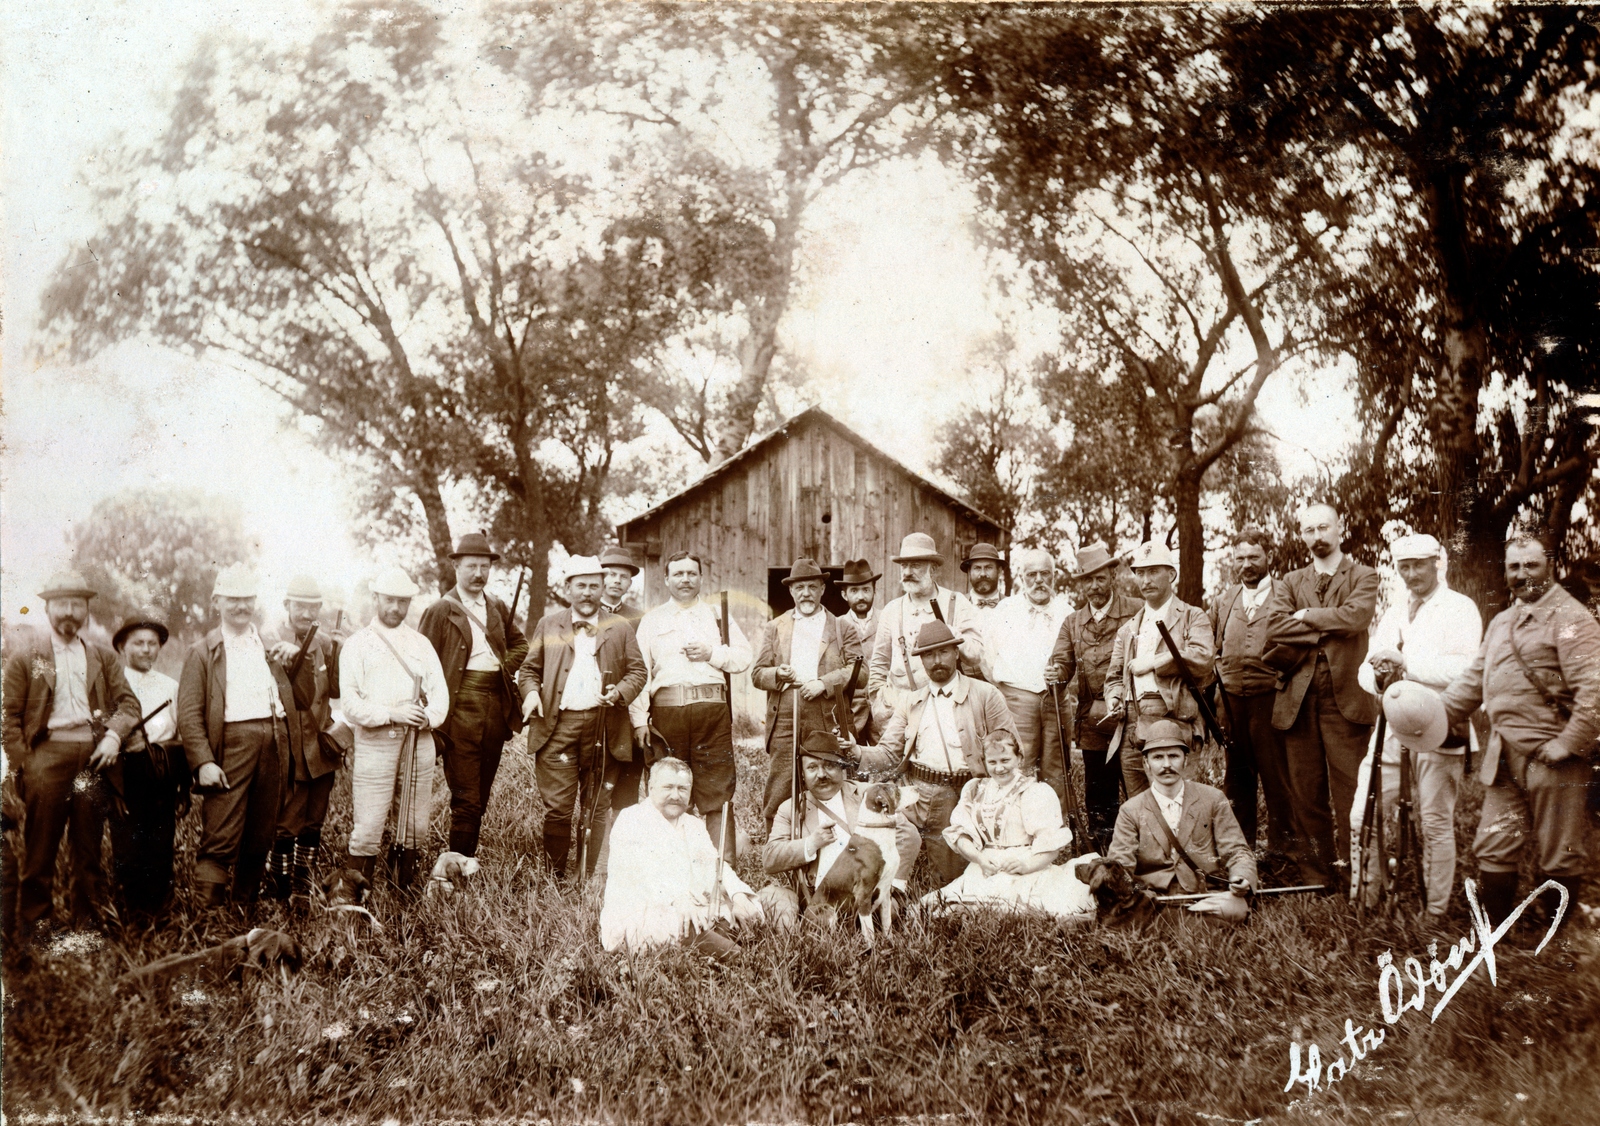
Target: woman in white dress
[{"x": 1009, "y": 828}]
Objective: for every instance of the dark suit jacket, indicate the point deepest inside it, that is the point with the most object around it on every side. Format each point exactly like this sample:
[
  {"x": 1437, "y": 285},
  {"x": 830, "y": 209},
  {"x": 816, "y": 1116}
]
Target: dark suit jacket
[
  {"x": 1208, "y": 832},
  {"x": 29, "y": 686},
  {"x": 203, "y": 702},
  {"x": 549, "y": 658},
  {"x": 318, "y": 683},
  {"x": 840, "y": 647},
  {"x": 447, "y": 628},
  {"x": 1337, "y": 624},
  {"x": 1083, "y": 650}
]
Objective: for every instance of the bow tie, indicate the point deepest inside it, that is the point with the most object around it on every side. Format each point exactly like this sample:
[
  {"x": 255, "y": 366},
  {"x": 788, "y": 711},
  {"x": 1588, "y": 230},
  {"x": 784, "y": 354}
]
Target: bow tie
[{"x": 580, "y": 625}]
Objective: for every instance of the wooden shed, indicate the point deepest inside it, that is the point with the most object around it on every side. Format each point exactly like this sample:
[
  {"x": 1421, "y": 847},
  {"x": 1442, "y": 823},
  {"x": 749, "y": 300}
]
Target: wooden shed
[{"x": 812, "y": 487}]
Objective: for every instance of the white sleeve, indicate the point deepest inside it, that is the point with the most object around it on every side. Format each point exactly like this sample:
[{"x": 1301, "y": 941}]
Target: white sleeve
[
  {"x": 1462, "y": 631},
  {"x": 1386, "y": 635},
  {"x": 736, "y": 656},
  {"x": 353, "y": 703},
  {"x": 639, "y": 708}
]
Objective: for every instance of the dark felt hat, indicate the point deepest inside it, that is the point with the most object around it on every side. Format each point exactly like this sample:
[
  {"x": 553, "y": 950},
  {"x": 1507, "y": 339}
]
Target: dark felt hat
[
  {"x": 149, "y": 618},
  {"x": 981, "y": 551},
  {"x": 934, "y": 635},
  {"x": 824, "y": 746},
  {"x": 1165, "y": 733},
  {"x": 617, "y": 556},
  {"x": 474, "y": 543},
  {"x": 805, "y": 569},
  {"x": 857, "y": 572}
]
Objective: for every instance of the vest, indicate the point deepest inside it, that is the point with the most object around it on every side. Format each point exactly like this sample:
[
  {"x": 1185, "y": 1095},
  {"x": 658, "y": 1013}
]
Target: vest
[{"x": 1240, "y": 667}]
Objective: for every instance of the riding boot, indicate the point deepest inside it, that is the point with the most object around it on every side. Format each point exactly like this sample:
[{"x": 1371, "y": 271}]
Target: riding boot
[
  {"x": 305, "y": 860},
  {"x": 280, "y": 867},
  {"x": 410, "y": 861},
  {"x": 362, "y": 864},
  {"x": 556, "y": 847},
  {"x": 1497, "y": 891}
]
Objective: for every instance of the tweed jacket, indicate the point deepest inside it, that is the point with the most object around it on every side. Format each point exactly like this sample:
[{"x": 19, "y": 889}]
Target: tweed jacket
[
  {"x": 1207, "y": 830},
  {"x": 544, "y": 670},
  {"x": 1336, "y": 624},
  {"x": 1083, "y": 651},
  {"x": 1222, "y": 609},
  {"x": 446, "y": 626},
  {"x": 785, "y": 849},
  {"x": 29, "y": 685},
  {"x": 979, "y": 707},
  {"x": 840, "y": 648},
  {"x": 203, "y": 702},
  {"x": 1191, "y": 630},
  {"x": 315, "y": 687}
]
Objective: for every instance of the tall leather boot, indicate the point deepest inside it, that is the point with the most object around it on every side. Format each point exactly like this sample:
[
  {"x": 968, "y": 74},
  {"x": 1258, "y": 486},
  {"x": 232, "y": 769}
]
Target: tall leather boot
[
  {"x": 556, "y": 847},
  {"x": 1497, "y": 892},
  {"x": 280, "y": 868},
  {"x": 406, "y": 874},
  {"x": 305, "y": 861},
  {"x": 362, "y": 864}
]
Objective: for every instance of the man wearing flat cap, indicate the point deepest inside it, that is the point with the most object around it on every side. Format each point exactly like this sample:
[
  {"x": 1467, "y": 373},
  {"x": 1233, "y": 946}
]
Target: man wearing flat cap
[
  {"x": 1079, "y": 662},
  {"x": 1429, "y": 639},
  {"x": 858, "y": 584},
  {"x": 832, "y": 812},
  {"x": 896, "y": 671},
  {"x": 150, "y": 777},
  {"x": 67, "y": 710},
  {"x": 393, "y": 695},
  {"x": 311, "y": 662},
  {"x": 1143, "y": 682},
  {"x": 233, "y": 702},
  {"x": 582, "y": 670},
  {"x": 480, "y": 648},
  {"x": 806, "y": 661},
  {"x": 936, "y": 735},
  {"x": 982, "y": 568}
]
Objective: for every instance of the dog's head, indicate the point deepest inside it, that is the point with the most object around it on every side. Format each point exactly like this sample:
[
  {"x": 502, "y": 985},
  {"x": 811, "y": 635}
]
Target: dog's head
[
  {"x": 265, "y": 949},
  {"x": 345, "y": 886},
  {"x": 1115, "y": 894},
  {"x": 881, "y": 798}
]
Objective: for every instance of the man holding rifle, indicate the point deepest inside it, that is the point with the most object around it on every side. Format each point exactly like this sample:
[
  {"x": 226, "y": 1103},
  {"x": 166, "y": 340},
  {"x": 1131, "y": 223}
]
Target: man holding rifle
[
  {"x": 582, "y": 671},
  {"x": 479, "y": 648}
]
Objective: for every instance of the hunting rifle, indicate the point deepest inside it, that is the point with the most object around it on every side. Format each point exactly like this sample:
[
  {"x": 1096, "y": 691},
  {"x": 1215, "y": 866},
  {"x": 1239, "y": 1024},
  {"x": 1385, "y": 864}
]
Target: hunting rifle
[
  {"x": 602, "y": 788},
  {"x": 1206, "y": 714},
  {"x": 1257, "y": 891},
  {"x": 516, "y": 596},
  {"x": 1077, "y": 817},
  {"x": 300, "y": 654}
]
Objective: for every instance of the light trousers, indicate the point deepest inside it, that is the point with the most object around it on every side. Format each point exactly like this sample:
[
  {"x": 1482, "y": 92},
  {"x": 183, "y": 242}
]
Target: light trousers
[
  {"x": 1435, "y": 782},
  {"x": 373, "y": 776}
]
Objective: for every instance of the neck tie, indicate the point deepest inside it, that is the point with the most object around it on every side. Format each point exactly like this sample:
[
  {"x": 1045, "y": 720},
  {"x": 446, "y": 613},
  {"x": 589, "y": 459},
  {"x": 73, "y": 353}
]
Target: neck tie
[{"x": 1323, "y": 582}]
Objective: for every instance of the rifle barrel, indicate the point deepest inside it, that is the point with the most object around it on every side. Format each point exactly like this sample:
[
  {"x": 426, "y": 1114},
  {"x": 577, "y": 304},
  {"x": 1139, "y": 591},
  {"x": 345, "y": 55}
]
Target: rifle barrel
[{"x": 1258, "y": 891}]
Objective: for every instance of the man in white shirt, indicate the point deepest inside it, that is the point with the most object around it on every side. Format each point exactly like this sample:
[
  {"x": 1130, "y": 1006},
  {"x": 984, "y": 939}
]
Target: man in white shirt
[
  {"x": 232, "y": 702},
  {"x": 1430, "y": 637},
  {"x": 393, "y": 694},
  {"x": 148, "y": 777},
  {"x": 685, "y": 701},
  {"x": 895, "y": 672},
  {"x": 1019, "y": 635},
  {"x": 662, "y": 877}
]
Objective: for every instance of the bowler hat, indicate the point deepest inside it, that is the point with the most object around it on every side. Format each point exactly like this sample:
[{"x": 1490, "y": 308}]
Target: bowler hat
[
  {"x": 857, "y": 572},
  {"x": 581, "y": 565},
  {"x": 804, "y": 569},
  {"x": 303, "y": 588},
  {"x": 67, "y": 584},
  {"x": 394, "y": 582},
  {"x": 934, "y": 635},
  {"x": 824, "y": 747},
  {"x": 617, "y": 556},
  {"x": 474, "y": 543},
  {"x": 980, "y": 551},
  {"x": 1416, "y": 715},
  {"x": 1152, "y": 554},
  {"x": 236, "y": 581},
  {"x": 1094, "y": 558},
  {"x": 149, "y": 618},
  {"x": 917, "y": 547},
  {"x": 1165, "y": 733}
]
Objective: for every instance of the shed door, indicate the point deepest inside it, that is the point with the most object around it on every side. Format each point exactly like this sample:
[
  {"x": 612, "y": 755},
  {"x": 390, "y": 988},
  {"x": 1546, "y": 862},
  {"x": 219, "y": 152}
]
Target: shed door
[{"x": 778, "y": 594}]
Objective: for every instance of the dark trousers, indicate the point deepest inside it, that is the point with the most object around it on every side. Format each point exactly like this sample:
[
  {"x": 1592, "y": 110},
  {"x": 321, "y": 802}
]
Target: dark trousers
[
  {"x": 237, "y": 826},
  {"x": 1100, "y": 788},
  {"x": 1257, "y": 753},
  {"x": 702, "y": 735},
  {"x": 142, "y": 832},
  {"x": 305, "y": 808},
  {"x": 60, "y": 795},
  {"x": 475, "y": 735},
  {"x": 571, "y": 765},
  {"x": 937, "y": 802},
  {"x": 821, "y": 714},
  {"x": 1323, "y": 752}
]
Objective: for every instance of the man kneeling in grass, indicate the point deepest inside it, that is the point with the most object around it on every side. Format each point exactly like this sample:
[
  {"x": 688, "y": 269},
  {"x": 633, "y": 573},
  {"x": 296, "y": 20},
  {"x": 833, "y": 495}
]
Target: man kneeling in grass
[
  {"x": 1183, "y": 831},
  {"x": 662, "y": 874}
]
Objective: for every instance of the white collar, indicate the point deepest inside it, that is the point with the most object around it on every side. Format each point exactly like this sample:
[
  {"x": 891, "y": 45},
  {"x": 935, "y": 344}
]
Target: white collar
[
  {"x": 816, "y": 616},
  {"x": 1158, "y": 611},
  {"x": 470, "y": 600},
  {"x": 60, "y": 643},
  {"x": 1262, "y": 584},
  {"x": 1322, "y": 567},
  {"x": 230, "y": 638},
  {"x": 1176, "y": 800}
]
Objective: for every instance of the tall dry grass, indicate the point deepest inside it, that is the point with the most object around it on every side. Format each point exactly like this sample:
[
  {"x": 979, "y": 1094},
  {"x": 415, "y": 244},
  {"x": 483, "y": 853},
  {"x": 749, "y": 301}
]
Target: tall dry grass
[{"x": 499, "y": 1003}]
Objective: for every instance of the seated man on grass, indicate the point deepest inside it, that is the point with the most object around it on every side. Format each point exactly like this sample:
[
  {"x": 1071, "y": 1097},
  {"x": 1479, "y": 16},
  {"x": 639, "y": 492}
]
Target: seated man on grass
[
  {"x": 1183, "y": 832},
  {"x": 662, "y": 871}
]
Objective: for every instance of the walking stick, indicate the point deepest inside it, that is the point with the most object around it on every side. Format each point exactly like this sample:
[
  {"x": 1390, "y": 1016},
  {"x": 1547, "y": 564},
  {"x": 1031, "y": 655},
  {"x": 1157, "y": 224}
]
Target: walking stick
[
  {"x": 1371, "y": 824},
  {"x": 1077, "y": 815}
]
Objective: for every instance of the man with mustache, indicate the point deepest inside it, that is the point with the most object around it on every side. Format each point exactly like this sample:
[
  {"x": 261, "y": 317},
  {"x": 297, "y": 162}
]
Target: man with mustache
[
  {"x": 1317, "y": 623},
  {"x": 982, "y": 568},
  {"x": 859, "y": 586},
  {"x": 619, "y": 571},
  {"x": 67, "y": 709},
  {"x": 1537, "y": 675},
  {"x": 1019, "y": 635}
]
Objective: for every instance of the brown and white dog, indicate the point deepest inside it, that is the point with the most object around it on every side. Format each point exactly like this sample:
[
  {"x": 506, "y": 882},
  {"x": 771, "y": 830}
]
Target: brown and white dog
[{"x": 863, "y": 875}]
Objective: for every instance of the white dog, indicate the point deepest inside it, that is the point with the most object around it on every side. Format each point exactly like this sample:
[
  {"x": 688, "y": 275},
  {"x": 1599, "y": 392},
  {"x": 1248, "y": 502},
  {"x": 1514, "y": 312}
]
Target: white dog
[{"x": 449, "y": 871}]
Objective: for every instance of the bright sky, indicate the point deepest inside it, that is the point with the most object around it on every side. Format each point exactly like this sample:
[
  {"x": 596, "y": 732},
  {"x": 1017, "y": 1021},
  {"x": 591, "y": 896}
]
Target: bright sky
[{"x": 897, "y": 299}]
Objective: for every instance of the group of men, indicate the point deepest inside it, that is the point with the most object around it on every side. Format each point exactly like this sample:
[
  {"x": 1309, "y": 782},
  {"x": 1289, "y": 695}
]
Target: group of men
[{"x": 909, "y": 691}]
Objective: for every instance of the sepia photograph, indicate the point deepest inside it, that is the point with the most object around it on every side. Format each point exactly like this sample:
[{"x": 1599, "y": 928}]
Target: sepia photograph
[{"x": 738, "y": 563}]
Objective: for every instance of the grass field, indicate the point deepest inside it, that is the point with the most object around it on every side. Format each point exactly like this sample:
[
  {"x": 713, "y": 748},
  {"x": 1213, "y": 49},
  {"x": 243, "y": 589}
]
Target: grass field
[{"x": 500, "y": 1004}]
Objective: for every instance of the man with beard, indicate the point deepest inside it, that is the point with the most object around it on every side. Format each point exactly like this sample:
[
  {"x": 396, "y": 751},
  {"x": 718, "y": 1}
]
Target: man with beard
[
  {"x": 895, "y": 671},
  {"x": 859, "y": 585},
  {"x": 619, "y": 570},
  {"x": 1317, "y": 622},
  {"x": 582, "y": 671},
  {"x": 1019, "y": 636},
  {"x": 1078, "y": 664},
  {"x": 320, "y": 749},
  {"x": 67, "y": 709},
  {"x": 685, "y": 699},
  {"x": 809, "y": 652},
  {"x": 393, "y": 694},
  {"x": 1537, "y": 675},
  {"x": 1249, "y": 690},
  {"x": 982, "y": 568},
  {"x": 479, "y": 647},
  {"x": 233, "y": 698}
]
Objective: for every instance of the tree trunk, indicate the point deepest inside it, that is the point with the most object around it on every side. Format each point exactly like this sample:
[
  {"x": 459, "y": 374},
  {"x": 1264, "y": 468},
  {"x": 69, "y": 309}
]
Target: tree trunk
[
  {"x": 1191, "y": 535},
  {"x": 426, "y": 485}
]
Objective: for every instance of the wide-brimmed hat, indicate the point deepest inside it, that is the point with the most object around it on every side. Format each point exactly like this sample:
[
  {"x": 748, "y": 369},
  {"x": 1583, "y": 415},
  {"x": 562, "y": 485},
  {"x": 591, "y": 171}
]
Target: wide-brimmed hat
[
  {"x": 1165, "y": 733},
  {"x": 303, "y": 588},
  {"x": 581, "y": 565},
  {"x": 934, "y": 635},
  {"x": 236, "y": 581},
  {"x": 474, "y": 543},
  {"x": 394, "y": 582},
  {"x": 917, "y": 547},
  {"x": 824, "y": 746},
  {"x": 981, "y": 551},
  {"x": 1093, "y": 558},
  {"x": 804, "y": 569},
  {"x": 1420, "y": 546},
  {"x": 67, "y": 584},
  {"x": 148, "y": 618},
  {"x": 1416, "y": 715},
  {"x": 857, "y": 572},
  {"x": 1152, "y": 554},
  {"x": 617, "y": 556}
]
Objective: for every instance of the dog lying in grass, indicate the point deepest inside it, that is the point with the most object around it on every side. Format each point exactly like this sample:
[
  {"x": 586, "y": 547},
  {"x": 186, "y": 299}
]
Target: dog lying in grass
[
  {"x": 260, "y": 949},
  {"x": 345, "y": 887},
  {"x": 1119, "y": 901},
  {"x": 450, "y": 872}
]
